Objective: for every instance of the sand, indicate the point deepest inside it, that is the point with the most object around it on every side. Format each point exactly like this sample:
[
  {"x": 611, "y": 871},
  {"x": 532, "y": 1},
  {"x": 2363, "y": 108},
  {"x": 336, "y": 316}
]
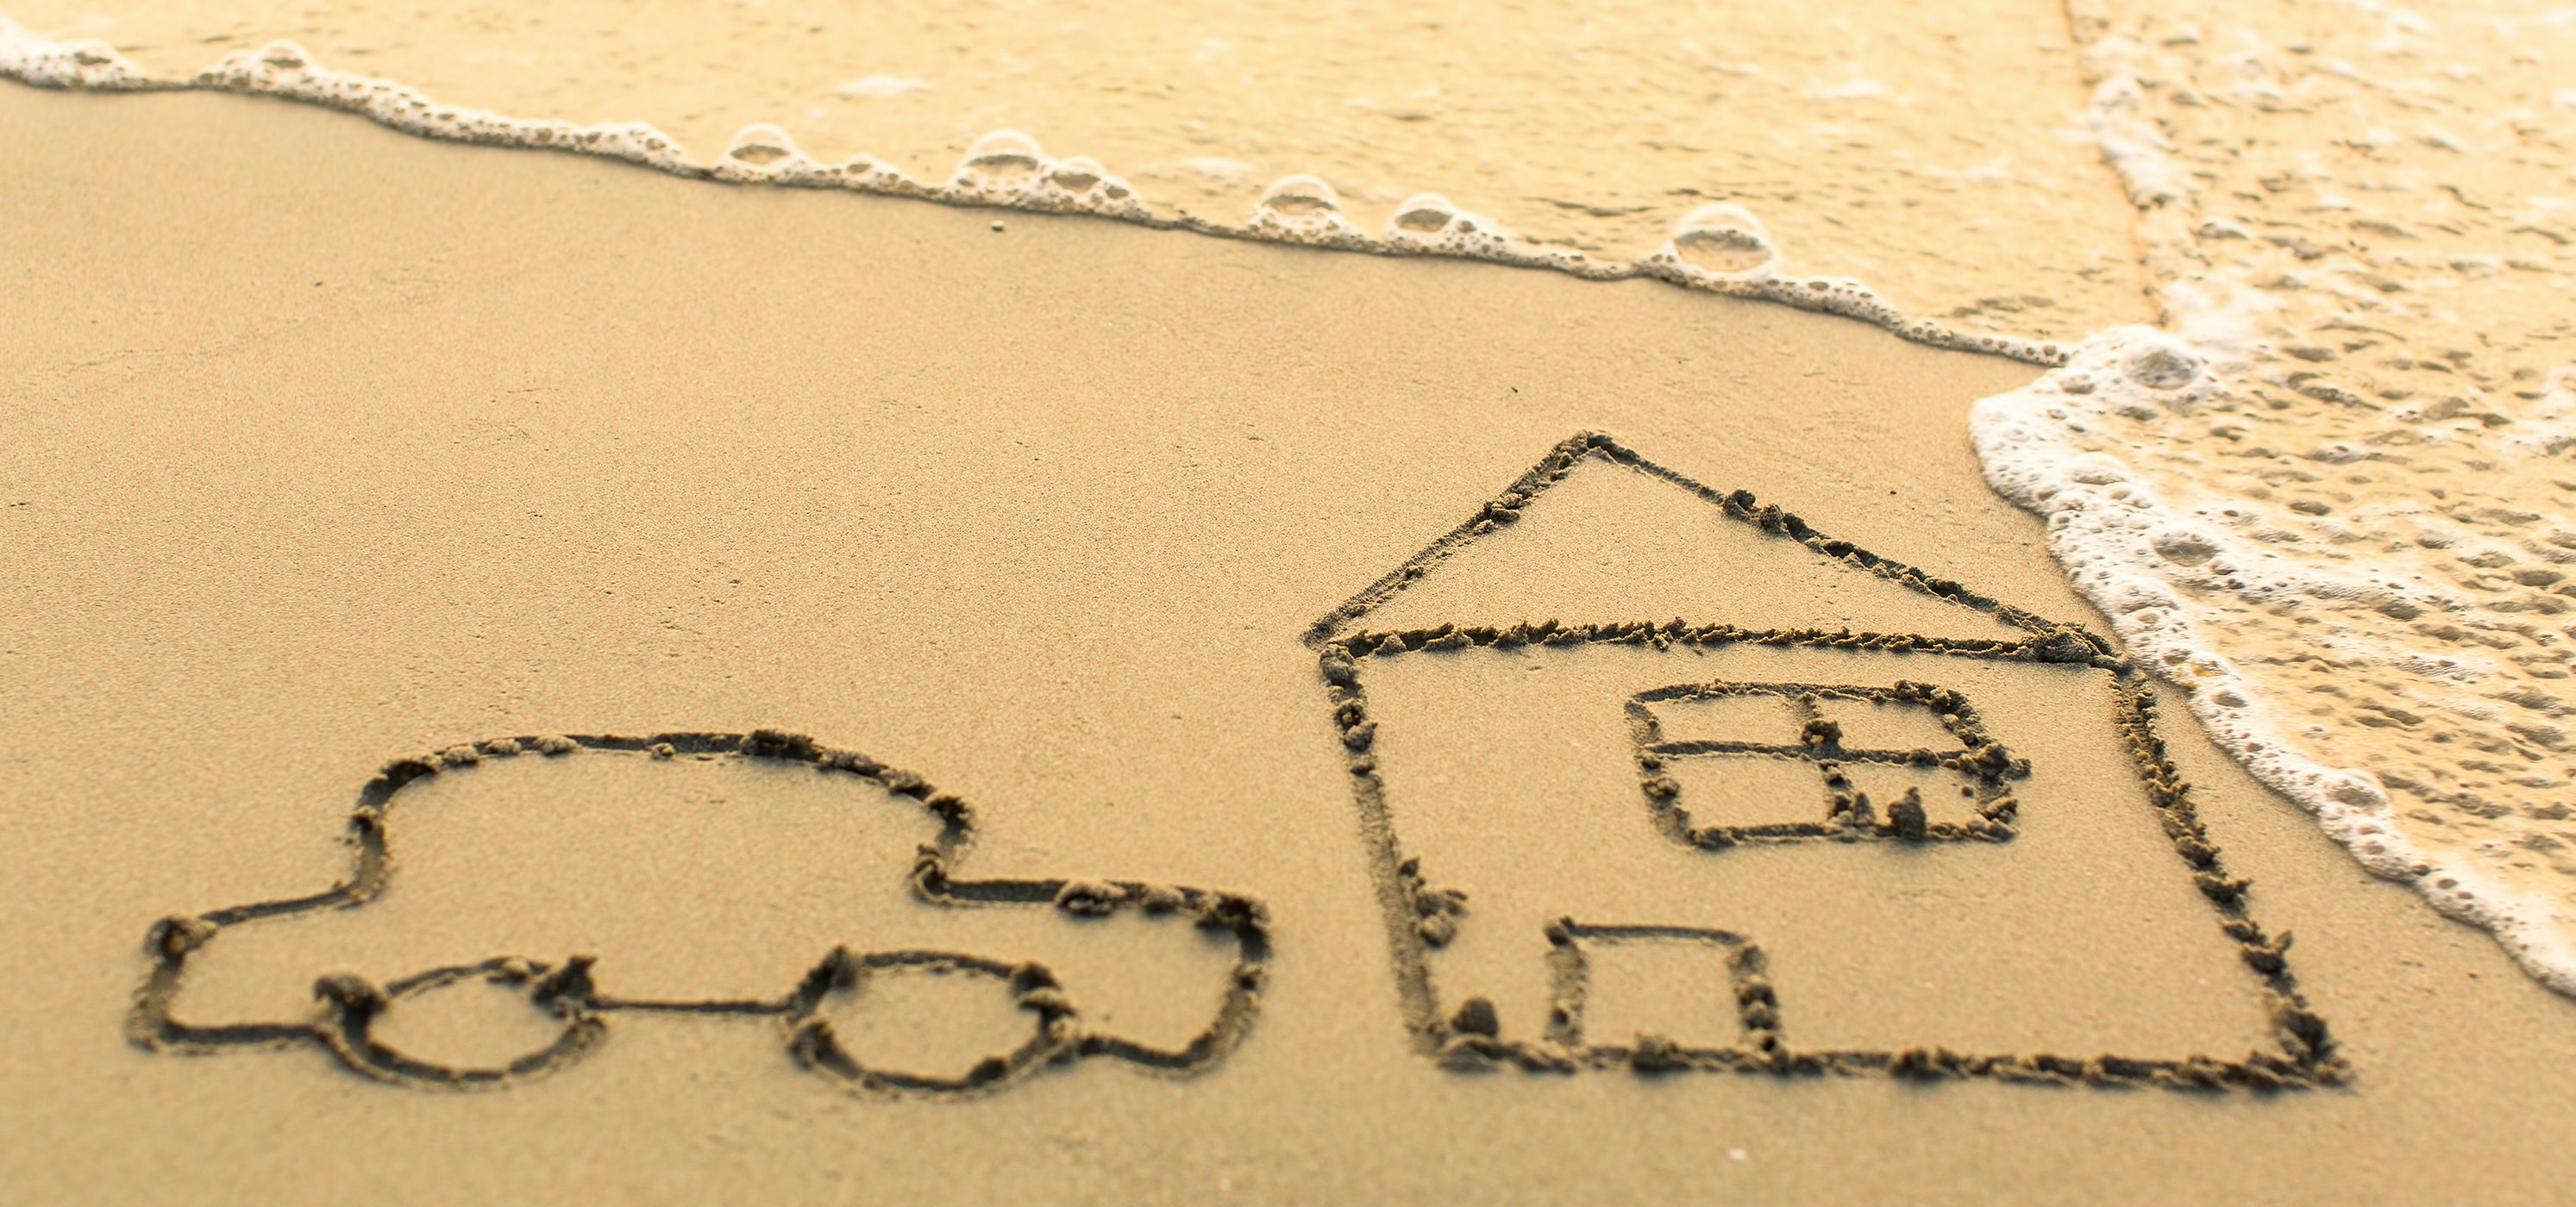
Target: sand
[
  {"x": 335, "y": 447},
  {"x": 2334, "y": 516}
]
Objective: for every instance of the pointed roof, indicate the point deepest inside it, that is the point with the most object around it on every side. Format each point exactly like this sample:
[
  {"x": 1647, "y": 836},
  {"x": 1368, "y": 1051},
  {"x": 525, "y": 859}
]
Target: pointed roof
[{"x": 1595, "y": 534}]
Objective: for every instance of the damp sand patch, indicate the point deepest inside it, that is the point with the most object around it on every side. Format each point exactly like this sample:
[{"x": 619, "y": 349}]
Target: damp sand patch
[{"x": 487, "y": 448}]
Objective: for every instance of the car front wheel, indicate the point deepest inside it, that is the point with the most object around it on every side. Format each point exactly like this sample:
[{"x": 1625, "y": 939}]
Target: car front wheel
[{"x": 465, "y": 1026}]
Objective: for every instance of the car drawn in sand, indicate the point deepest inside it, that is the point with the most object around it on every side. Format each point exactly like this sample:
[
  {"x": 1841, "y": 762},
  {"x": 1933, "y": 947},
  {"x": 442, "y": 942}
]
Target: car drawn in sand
[{"x": 679, "y": 948}]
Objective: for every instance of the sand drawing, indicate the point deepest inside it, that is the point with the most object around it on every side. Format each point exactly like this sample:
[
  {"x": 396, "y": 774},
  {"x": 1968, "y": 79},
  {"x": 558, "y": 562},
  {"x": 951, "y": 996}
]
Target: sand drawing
[
  {"x": 576, "y": 994},
  {"x": 1978, "y": 767},
  {"x": 1557, "y": 854}
]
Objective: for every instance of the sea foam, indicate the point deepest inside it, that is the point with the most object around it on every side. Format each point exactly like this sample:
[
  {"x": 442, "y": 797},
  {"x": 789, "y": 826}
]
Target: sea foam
[
  {"x": 2328, "y": 496},
  {"x": 2172, "y": 571},
  {"x": 1004, "y": 169}
]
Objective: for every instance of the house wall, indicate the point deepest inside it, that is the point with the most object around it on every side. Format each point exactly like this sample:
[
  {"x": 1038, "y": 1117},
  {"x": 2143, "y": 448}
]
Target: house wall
[{"x": 1872, "y": 944}]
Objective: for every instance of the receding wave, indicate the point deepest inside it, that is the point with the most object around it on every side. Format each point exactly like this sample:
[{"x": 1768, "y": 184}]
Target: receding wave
[
  {"x": 2329, "y": 495},
  {"x": 1007, "y": 169}
]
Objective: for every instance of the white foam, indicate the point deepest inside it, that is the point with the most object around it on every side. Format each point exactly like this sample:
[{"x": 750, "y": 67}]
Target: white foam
[
  {"x": 2131, "y": 144},
  {"x": 1428, "y": 223},
  {"x": 2145, "y": 559},
  {"x": 46, "y": 64},
  {"x": 283, "y": 69},
  {"x": 1704, "y": 231},
  {"x": 881, "y": 85},
  {"x": 1856, "y": 88},
  {"x": 1007, "y": 169},
  {"x": 2156, "y": 566}
]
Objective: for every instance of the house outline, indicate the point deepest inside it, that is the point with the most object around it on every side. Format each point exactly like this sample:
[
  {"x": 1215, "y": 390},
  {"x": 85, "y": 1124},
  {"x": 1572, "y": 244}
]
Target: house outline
[{"x": 1463, "y": 1035}]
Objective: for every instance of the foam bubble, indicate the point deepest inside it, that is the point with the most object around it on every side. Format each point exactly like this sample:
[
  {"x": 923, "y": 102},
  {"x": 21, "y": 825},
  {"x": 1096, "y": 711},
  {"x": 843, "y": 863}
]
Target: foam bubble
[
  {"x": 1428, "y": 223},
  {"x": 1727, "y": 241},
  {"x": 1423, "y": 214},
  {"x": 1078, "y": 175},
  {"x": 1724, "y": 239},
  {"x": 1303, "y": 209},
  {"x": 761, "y": 151},
  {"x": 1004, "y": 161},
  {"x": 2161, "y": 365},
  {"x": 1081, "y": 184}
]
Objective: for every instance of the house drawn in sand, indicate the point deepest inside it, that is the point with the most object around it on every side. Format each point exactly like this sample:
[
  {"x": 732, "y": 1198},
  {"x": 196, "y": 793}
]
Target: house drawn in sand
[{"x": 1655, "y": 776}]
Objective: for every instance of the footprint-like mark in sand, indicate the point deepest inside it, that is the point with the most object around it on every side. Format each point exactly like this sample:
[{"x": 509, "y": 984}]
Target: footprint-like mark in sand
[
  {"x": 563, "y": 1003},
  {"x": 1840, "y": 866}
]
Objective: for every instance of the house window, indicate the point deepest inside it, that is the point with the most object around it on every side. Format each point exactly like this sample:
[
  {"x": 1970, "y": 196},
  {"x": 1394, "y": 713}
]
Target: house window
[{"x": 1725, "y": 764}]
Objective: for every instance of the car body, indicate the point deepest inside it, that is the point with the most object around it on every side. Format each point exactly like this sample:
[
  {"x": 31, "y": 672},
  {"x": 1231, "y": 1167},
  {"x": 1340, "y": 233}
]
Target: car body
[{"x": 578, "y": 994}]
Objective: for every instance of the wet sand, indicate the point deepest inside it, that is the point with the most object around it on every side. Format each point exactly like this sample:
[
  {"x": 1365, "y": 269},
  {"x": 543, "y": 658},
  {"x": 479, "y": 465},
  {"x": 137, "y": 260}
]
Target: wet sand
[{"x": 334, "y": 446}]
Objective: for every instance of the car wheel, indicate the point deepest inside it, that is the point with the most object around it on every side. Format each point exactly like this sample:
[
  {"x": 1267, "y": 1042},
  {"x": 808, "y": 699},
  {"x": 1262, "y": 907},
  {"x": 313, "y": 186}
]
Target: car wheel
[
  {"x": 466, "y": 1026},
  {"x": 1021, "y": 1024}
]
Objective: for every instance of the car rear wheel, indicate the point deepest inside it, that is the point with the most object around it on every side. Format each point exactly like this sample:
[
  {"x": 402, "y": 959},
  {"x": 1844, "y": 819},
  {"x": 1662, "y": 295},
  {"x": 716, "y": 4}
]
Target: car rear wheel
[
  {"x": 928, "y": 1022},
  {"x": 466, "y": 1026}
]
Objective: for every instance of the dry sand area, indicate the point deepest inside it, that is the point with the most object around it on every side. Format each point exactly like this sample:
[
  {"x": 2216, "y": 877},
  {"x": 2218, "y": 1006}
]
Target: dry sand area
[{"x": 1355, "y": 740}]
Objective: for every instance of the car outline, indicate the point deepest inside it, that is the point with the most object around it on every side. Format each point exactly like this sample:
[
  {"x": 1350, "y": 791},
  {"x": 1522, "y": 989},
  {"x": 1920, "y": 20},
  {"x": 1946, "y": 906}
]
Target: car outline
[{"x": 349, "y": 1005}]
